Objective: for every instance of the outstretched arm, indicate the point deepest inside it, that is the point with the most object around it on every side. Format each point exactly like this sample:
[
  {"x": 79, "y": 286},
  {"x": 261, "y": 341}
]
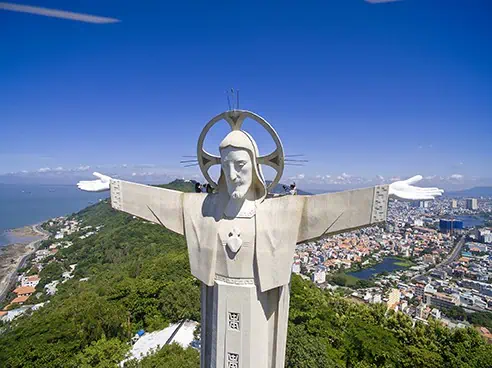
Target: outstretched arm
[
  {"x": 331, "y": 213},
  {"x": 343, "y": 211},
  {"x": 159, "y": 205}
]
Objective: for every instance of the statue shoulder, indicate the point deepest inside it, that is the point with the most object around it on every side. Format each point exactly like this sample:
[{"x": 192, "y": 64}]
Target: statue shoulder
[{"x": 288, "y": 202}]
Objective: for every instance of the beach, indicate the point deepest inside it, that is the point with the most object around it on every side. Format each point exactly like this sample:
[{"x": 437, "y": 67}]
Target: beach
[{"x": 13, "y": 256}]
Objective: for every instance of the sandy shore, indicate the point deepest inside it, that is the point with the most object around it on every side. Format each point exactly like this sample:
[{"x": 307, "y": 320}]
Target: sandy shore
[
  {"x": 13, "y": 256},
  {"x": 25, "y": 232}
]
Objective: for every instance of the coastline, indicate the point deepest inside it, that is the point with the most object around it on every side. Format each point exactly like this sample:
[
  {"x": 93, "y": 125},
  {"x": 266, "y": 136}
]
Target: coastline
[{"x": 13, "y": 256}]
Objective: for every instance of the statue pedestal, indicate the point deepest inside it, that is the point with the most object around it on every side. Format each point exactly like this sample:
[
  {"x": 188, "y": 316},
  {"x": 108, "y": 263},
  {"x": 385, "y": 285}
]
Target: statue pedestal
[{"x": 243, "y": 327}]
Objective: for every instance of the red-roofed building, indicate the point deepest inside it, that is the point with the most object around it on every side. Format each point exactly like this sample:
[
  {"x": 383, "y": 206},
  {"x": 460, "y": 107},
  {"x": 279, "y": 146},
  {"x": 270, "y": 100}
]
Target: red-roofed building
[
  {"x": 20, "y": 299},
  {"x": 485, "y": 333},
  {"x": 24, "y": 291}
]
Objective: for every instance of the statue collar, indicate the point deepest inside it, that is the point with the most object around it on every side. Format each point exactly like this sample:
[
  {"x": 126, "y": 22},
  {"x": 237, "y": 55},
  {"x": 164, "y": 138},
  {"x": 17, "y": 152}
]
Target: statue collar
[{"x": 247, "y": 209}]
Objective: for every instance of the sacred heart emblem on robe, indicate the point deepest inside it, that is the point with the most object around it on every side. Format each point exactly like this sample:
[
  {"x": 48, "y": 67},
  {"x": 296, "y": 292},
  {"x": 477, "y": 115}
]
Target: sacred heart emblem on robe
[{"x": 234, "y": 240}]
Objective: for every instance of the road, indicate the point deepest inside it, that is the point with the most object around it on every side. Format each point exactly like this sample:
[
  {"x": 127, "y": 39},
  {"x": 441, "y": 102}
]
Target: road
[
  {"x": 450, "y": 258},
  {"x": 454, "y": 254},
  {"x": 5, "y": 287}
]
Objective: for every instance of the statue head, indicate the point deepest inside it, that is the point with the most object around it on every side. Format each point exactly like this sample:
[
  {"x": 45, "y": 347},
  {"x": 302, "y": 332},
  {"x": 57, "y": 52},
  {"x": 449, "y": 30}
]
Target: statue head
[{"x": 240, "y": 172}]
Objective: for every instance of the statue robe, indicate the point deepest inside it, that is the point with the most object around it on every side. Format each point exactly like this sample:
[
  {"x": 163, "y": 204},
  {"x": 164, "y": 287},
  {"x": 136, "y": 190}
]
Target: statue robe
[{"x": 279, "y": 224}]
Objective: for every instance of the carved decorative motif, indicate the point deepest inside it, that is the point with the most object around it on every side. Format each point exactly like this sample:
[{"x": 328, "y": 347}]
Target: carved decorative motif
[
  {"x": 232, "y": 360},
  {"x": 232, "y": 281},
  {"x": 233, "y": 320},
  {"x": 380, "y": 204},
  {"x": 116, "y": 195}
]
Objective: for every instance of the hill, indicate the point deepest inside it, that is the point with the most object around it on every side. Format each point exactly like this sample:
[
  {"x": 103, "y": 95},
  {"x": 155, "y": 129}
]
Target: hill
[
  {"x": 472, "y": 192},
  {"x": 139, "y": 278}
]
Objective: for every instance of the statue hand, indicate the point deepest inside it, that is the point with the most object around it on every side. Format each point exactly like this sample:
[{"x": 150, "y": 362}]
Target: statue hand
[
  {"x": 99, "y": 185},
  {"x": 406, "y": 191}
]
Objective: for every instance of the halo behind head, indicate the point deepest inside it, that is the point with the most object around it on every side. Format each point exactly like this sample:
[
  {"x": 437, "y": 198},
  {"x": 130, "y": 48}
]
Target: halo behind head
[{"x": 235, "y": 119}]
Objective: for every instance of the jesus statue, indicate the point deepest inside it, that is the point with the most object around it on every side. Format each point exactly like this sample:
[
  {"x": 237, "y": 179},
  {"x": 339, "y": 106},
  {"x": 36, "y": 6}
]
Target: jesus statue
[{"x": 241, "y": 240}]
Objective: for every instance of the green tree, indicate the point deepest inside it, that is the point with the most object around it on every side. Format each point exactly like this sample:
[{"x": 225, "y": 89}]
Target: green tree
[
  {"x": 170, "y": 356},
  {"x": 102, "y": 353}
]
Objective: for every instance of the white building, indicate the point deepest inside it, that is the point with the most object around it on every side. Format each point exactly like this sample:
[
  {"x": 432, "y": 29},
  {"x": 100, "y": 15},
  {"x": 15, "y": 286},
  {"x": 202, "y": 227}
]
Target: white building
[
  {"x": 296, "y": 267},
  {"x": 32, "y": 281},
  {"x": 471, "y": 204},
  {"x": 319, "y": 276}
]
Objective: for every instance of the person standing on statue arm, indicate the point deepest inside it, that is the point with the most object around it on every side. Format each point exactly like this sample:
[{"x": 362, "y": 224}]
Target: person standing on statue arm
[{"x": 241, "y": 244}]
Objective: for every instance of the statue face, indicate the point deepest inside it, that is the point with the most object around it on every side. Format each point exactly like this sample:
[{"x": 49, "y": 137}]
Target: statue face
[{"x": 238, "y": 171}]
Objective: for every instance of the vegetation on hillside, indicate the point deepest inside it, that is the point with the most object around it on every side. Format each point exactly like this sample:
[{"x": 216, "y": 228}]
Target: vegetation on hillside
[{"x": 139, "y": 277}]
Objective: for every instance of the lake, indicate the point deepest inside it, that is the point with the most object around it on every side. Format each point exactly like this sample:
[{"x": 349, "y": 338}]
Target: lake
[
  {"x": 22, "y": 205},
  {"x": 471, "y": 221},
  {"x": 388, "y": 265}
]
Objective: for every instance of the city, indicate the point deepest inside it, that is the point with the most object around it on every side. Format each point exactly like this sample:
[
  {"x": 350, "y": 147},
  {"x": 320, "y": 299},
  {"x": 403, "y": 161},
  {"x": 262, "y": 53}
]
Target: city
[{"x": 436, "y": 257}]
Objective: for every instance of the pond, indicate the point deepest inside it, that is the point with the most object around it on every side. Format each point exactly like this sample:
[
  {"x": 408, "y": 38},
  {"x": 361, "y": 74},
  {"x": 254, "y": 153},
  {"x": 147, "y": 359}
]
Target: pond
[
  {"x": 471, "y": 221},
  {"x": 388, "y": 264}
]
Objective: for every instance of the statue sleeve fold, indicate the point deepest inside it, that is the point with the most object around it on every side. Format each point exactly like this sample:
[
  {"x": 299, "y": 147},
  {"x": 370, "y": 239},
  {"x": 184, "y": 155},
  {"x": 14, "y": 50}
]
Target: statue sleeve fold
[
  {"x": 158, "y": 205},
  {"x": 338, "y": 212}
]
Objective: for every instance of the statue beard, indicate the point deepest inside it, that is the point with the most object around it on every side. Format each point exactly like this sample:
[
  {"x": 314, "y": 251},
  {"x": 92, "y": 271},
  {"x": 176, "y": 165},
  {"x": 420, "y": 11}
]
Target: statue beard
[{"x": 239, "y": 192}]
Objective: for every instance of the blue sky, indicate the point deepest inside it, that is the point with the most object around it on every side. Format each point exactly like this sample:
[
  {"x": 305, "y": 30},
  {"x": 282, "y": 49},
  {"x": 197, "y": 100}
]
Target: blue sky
[{"x": 361, "y": 89}]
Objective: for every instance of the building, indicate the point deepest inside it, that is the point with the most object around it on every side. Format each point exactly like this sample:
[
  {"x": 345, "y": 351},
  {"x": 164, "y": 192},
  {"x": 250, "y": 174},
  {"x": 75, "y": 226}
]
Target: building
[
  {"x": 32, "y": 281},
  {"x": 441, "y": 300},
  {"x": 429, "y": 259},
  {"x": 393, "y": 299},
  {"x": 419, "y": 290},
  {"x": 319, "y": 276},
  {"x": 471, "y": 204},
  {"x": 296, "y": 267},
  {"x": 450, "y": 226},
  {"x": 484, "y": 235},
  {"x": 454, "y": 203},
  {"x": 19, "y": 300},
  {"x": 421, "y": 204},
  {"x": 422, "y": 289},
  {"x": 24, "y": 291}
]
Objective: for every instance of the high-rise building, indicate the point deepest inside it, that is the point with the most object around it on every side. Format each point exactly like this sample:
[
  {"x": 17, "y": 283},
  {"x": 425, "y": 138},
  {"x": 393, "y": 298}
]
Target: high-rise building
[
  {"x": 450, "y": 226},
  {"x": 421, "y": 204},
  {"x": 454, "y": 203},
  {"x": 471, "y": 204}
]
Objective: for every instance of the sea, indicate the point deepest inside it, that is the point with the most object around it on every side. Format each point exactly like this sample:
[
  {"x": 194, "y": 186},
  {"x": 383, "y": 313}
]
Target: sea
[{"x": 27, "y": 204}]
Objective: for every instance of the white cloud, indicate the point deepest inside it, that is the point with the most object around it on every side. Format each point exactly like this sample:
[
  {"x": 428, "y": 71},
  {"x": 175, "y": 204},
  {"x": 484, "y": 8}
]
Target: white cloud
[
  {"x": 456, "y": 177},
  {"x": 55, "y": 13},
  {"x": 44, "y": 169},
  {"x": 83, "y": 168}
]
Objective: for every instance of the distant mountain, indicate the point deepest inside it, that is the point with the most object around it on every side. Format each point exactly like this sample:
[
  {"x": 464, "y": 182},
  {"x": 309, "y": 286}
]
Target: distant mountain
[
  {"x": 181, "y": 185},
  {"x": 472, "y": 192}
]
